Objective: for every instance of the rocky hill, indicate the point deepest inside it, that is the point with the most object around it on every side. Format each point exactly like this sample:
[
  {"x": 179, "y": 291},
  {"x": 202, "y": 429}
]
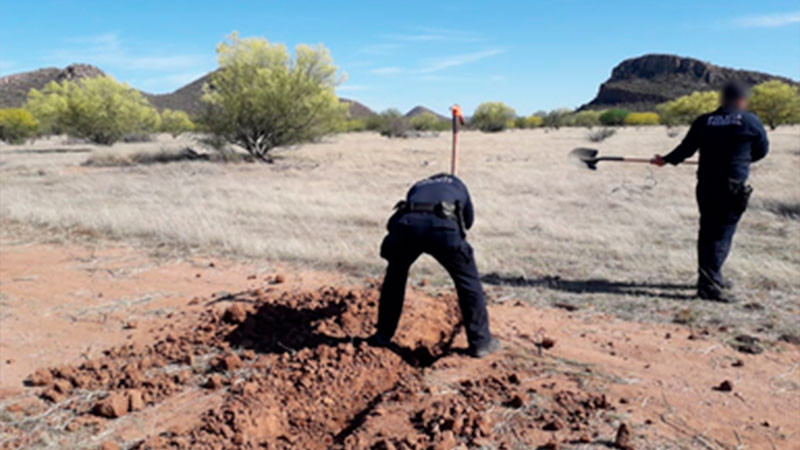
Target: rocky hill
[
  {"x": 420, "y": 110},
  {"x": 642, "y": 83},
  {"x": 14, "y": 88},
  {"x": 357, "y": 110}
]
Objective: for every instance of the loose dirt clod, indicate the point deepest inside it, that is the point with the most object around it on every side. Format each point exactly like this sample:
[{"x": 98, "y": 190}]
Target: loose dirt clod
[
  {"x": 623, "y": 439},
  {"x": 113, "y": 406},
  {"x": 548, "y": 343},
  {"x": 41, "y": 377},
  {"x": 725, "y": 386}
]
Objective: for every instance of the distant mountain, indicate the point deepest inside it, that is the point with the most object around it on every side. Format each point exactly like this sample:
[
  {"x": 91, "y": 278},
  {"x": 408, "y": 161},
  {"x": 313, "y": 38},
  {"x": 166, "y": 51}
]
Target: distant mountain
[
  {"x": 642, "y": 83},
  {"x": 14, "y": 88},
  {"x": 419, "y": 110},
  {"x": 357, "y": 110}
]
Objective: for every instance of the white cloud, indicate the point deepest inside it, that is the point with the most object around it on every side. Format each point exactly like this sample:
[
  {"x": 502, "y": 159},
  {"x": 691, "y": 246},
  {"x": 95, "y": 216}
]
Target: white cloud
[
  {"x": 769, "y": 21},
  {"x": 108, "y": 51},
  {"x": 438, "y": 64},
  {"x": 387, "y": 70},
  {"x": 353, "y": 88}
]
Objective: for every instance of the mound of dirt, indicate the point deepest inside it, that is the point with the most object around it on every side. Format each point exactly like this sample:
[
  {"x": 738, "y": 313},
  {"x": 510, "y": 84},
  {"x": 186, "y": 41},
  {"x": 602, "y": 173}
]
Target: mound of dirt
[{"x": 294, "y": 371}]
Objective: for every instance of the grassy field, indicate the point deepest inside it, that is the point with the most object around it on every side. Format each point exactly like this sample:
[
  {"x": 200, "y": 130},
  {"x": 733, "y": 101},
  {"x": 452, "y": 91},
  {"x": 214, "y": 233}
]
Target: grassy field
[{"x": 621, "y": 239}]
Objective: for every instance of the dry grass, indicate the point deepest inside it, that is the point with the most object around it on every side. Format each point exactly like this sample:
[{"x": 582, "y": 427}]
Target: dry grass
[{"x": 543, "y": 225}]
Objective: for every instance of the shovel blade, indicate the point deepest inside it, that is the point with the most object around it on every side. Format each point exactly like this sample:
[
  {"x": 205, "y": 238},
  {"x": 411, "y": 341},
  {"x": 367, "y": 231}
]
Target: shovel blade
[{"x": 584, "y": 157}]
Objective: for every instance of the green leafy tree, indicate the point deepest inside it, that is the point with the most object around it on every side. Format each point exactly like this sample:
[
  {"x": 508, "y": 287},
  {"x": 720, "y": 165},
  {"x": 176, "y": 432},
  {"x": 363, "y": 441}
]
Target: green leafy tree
[
  {"x": 98, "y": 109},
  {"x": 175, "y": 122},
  {"x": 261, "y": 98},
  {"x": 428, "y": 122},
  {"x": 642, "y": 118},
  {"x": 17, "y": 125},
  {"x": 613, "y": 117},
  {"x": 492, "y": 116},
  {"x": 683, "y": 110},
  {"x": 776, "y": 103}
]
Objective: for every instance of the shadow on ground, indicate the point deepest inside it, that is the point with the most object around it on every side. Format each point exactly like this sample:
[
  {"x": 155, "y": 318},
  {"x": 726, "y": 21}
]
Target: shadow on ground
[
  {"x": 672, "y": 291},
  {"x": 277, "y": 328}
]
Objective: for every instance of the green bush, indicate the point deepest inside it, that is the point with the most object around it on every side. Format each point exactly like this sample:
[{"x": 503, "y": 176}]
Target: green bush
[
  {"x": 429, "y": 122},
  {"x": 492, "y": 116},
  {"x": 586, "y": 118},
  {"x": 613, "y": 117},
  {"x": 524, "y": 122},
  {"x": 17, "y": 125},
  {"x": 557, "y": 118},
  {"x": 642, "y": 118},
  {"x": 683, "y": 110},
  {"x": 261, "y": 98},
  {"x": 389, "y": 123},
  {"x": 175, "y": 122},
  {"x": 776, "y": 103},
  {"x": 98, "y": 109},
  {"x": 354, "y": 125}
]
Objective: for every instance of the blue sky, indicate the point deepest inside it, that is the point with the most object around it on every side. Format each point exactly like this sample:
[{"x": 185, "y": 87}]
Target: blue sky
[{"x": 530, "y": 54}]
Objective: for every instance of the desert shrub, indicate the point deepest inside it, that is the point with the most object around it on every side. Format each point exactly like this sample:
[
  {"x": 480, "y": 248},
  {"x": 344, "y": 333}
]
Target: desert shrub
[
  {"x": 587, "y": 119},
  {"x": 261, "y": 98},
  {"x": 683, "y": 110},
  {"x": 17, "y": 125},
  {"x": 613, "y": 117},
  {"x": 776, "y": 103},
  {"x": 524, "y": 122},
  {"x": 601, "y": 135},
  {"x": 492, "y": 116},
  {"x": 429, "y": 122},
  {"x": 557, "y": 118},
  {"x": 392, "y": 123},
  {"x": 175, "y": 122},
  {"x": 353, "y": 125},
  {"x": 98, "y": 109},
  {"x": 642, "y": 118}
]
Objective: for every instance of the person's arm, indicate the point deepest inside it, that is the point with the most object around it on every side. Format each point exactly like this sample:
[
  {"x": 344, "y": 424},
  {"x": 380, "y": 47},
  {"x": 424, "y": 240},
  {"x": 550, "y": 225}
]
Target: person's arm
[
  {"x": 761, "y": 144},
  {"x": 468, "y": 211},
  {"x": 686, "y": 148}
]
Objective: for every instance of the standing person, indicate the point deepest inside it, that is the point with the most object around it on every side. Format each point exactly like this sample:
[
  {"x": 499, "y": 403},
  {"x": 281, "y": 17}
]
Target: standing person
[
  {"x": 729, "y": 140},
  {"x": 433, "y": 220}
]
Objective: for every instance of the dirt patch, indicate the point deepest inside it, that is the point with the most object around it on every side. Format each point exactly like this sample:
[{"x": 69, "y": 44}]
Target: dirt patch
[{"x": 296, "y": 372}]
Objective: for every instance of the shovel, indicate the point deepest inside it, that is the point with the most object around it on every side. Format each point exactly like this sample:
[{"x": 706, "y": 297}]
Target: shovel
[{"x": 587, "y": 157}]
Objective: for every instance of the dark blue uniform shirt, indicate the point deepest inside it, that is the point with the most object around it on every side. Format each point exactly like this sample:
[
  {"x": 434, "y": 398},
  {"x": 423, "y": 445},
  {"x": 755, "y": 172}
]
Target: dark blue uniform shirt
[
  {"x": 728, "y": 140},
  {"x": 443, "y": 188}
]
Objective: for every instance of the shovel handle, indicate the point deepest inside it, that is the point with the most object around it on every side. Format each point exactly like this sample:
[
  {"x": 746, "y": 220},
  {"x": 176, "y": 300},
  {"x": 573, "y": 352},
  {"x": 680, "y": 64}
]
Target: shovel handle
[{"x": 646, "y": 160}]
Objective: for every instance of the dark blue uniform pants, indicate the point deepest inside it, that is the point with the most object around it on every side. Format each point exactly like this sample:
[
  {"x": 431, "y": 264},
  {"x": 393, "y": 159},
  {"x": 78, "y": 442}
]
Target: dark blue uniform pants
[
  {"x": 719, "y": 215},
  {"x": 403, "y": 245}
]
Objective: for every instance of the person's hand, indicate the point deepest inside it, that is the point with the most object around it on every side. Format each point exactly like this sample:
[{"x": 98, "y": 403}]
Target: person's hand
[{"x": 657, "y": 160}]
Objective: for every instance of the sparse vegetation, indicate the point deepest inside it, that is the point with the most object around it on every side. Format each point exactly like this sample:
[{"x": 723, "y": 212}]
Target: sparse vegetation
[
  {"x": 262, "y": 98},
  {"x": 17, "y": 125},
  {"x": 776, "y": 103},
  {"x": 492, "y": 117},
  {"x": 586, "y": 118},
  {"x": 683, "y": 110},
  {"x": 389, "y": 123},
  {"x": 601, "y": 135},
  {"x": 98, "y": 109},
  {"x": 557, "y": 118},
  {"x": 613, "y": 117},
  {"x": 429, "y": 122},
  {"x": 175, "y": 122},
  {"x": 642, "y": 118}
]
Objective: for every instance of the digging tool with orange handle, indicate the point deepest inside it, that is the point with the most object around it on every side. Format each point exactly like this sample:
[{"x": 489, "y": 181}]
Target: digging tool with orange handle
[
  {"x": 587, "y": 157},
  {"x": 458, "y": 118}
]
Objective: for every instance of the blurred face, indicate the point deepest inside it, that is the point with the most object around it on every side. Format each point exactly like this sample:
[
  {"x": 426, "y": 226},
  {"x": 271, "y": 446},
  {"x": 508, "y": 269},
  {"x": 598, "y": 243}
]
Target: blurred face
[{"x": 741, "y": 103}]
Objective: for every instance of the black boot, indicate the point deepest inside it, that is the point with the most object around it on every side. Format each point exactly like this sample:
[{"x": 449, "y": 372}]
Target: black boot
[
  {"x": 484, "y": 350},
  {"x": 715, "y": 294}
]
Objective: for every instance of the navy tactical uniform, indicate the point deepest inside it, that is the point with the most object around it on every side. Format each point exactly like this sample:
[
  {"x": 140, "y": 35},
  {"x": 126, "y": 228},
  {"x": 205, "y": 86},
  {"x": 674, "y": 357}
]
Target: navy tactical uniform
[
  {"x": 428, "y": 223},
  {"x": 729, "y": 140}
]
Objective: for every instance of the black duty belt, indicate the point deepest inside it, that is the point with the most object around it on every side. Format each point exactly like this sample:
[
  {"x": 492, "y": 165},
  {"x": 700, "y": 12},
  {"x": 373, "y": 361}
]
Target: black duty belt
[{"x": 445, "y": 210}]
